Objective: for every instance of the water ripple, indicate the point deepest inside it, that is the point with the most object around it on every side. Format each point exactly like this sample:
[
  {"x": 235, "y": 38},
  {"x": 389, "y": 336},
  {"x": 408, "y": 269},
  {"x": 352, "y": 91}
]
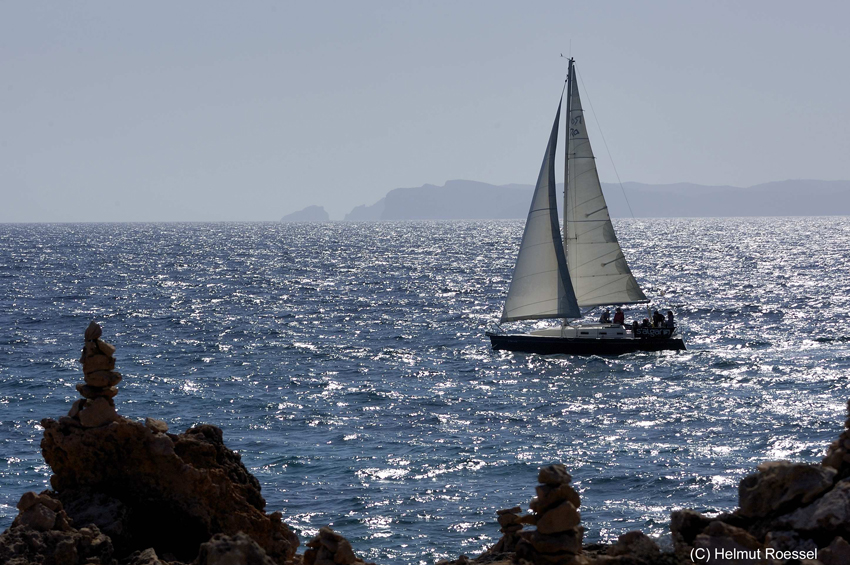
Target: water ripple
[{"x": 347, "y": 363}]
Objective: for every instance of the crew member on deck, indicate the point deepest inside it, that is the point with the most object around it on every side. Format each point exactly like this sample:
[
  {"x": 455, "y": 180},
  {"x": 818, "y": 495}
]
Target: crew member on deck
[
  {"x": 619, "y": 317},
  {"x": 670, "y": 319},
  {"x": 657, "y": 319},
  {"x": 605, "y": 318}
]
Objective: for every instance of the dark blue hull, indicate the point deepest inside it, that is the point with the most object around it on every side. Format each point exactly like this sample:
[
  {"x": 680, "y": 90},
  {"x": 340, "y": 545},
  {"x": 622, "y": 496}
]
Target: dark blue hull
[{"x": 582, "y": 346}]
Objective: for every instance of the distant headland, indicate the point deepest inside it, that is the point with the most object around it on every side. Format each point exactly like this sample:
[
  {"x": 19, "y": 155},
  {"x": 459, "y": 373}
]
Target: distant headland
[
  {"x": 472, "y": 200},
  {"x": 308, "y": 214}
]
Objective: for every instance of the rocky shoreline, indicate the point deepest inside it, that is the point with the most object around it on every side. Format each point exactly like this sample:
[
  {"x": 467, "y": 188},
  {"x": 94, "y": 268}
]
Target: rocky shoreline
[{"x": 131, "y": 493}]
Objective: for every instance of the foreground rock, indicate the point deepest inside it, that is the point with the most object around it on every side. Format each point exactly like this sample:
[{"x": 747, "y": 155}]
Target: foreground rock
[
  {"x": 330, "y": 548},
  {"x": 781, "y": 485},
  {"x": 139, "y": 487},
  {"x": 44, "y": 533},
  {"x": 557, "y": 537},
  {"x": 163, "y": 491},
  {"x": 788, "y": 513},
  {"x": 230, "y": 550}
]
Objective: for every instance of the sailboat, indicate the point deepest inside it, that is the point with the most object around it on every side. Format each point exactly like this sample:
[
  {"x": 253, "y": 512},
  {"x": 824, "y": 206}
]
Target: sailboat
[{"x": 556, "y": 277}]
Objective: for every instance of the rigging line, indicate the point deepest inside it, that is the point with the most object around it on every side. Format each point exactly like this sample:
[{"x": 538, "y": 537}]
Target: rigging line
[
  {"x": 596, "y": 119},
  {"x": 568, "y": 72},
  {"x": 564, "y": 89}
]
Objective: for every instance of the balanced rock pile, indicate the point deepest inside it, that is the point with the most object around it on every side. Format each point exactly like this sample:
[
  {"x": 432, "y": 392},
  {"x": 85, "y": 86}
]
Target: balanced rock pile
[
  {"x": 511, "y": 524},
  {"x": 330, "y": 548},
  {"x": 129, "y": 492},
  {"x": 557, "y": 538},
  {"x": 97, "y": 406}
]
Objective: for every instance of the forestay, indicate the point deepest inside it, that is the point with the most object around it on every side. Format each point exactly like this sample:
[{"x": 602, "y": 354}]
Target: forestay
[
  {"x": 598, "y": 269},
  {"x": 540, "y": 287}
]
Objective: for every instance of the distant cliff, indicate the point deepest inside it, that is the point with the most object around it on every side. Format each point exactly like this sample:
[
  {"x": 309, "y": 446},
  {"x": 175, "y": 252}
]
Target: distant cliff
[
  {"x": 308, "y": 214},
  {"x": 469, "y": 200},
  {"x": 685, "y": 200},
  {"x": 456, "y": 200},
  {"x": 365, "y": 213}
]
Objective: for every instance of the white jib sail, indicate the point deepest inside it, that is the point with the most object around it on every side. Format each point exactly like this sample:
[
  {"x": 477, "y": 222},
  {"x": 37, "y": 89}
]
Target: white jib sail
[
  {"x": 597, "y": 266},
  {"x": 540, "y": 287}
]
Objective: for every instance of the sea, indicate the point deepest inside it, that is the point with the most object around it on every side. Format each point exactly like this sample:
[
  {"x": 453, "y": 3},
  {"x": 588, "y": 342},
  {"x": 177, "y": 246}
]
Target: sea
[{"x": 347, "y": 364}]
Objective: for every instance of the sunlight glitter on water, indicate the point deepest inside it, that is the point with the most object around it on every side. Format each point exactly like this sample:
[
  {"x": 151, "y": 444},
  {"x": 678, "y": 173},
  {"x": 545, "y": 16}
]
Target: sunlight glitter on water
[{"x": 327, "y": 370}]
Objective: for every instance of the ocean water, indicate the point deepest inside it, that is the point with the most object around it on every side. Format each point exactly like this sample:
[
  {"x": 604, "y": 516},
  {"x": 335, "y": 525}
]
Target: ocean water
[{"x": 347, "y": 363}]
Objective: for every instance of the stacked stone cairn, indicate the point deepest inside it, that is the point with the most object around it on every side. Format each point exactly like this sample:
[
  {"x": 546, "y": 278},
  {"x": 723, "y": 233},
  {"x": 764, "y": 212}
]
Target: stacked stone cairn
[
  {"x": 330, "y": 548},
  {"x": 511, "y": 524},
  {"x": 557, "y": 539},
  {"x": 97, "y": 407}
]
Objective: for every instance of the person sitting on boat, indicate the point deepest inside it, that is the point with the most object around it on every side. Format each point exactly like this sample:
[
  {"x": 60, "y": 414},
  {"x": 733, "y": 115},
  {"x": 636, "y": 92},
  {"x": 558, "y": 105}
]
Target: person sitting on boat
[
  {"x": 635, "y": 326},
  {"x": 619, "y": 317},
  {"x": 645, "y": 323},
  {"x": 605, "y": 318},
  {"x": 657, "y": 319},
  {"x": 669, "y": 322}
]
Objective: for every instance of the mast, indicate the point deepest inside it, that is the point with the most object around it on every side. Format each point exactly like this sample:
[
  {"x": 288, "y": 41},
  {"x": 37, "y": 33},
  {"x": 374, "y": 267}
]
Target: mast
[
  {"x": 567, "y": 143},
  {"x": 567, "y": 157}
]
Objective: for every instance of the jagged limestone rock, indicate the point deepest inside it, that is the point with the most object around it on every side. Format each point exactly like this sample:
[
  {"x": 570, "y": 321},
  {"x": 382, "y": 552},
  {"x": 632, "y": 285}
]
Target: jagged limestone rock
[
  {"x": 179, "y": 490},
  {"x": 780, "y": 485}
]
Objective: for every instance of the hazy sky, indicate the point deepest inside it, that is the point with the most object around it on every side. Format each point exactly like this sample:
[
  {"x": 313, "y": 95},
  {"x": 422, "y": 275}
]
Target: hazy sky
[{"x": 200, "y": 110}]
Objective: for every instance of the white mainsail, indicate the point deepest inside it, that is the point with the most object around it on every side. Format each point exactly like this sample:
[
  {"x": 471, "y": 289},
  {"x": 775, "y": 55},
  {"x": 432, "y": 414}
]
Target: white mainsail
[
  {"x": 540, "y": 287},
  {"x": 597, "y": 266}
]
